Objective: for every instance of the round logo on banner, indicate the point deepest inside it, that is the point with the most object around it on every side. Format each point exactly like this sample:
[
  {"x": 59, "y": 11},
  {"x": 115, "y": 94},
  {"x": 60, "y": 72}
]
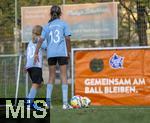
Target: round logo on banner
[{"x": 96, "y": 65}]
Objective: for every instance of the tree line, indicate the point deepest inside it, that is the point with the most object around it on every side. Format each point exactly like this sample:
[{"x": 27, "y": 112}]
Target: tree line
[{"x": 134, "y": 17}]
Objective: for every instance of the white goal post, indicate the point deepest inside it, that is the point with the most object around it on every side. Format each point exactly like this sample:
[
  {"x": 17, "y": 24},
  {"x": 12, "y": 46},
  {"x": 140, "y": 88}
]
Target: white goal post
[{"x": 10, "y": 70}]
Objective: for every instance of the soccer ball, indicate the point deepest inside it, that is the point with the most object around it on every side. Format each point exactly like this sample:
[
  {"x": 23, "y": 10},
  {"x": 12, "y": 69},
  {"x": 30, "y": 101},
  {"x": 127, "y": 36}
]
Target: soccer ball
[
  {"x": 76, "y": 101},
  {"x": 86, "y": 102}
]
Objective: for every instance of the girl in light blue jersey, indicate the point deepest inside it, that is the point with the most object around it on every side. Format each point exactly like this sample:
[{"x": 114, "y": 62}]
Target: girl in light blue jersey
[
  {"x": 57, "y": 34},
  {"x": 34, "y": 70}
]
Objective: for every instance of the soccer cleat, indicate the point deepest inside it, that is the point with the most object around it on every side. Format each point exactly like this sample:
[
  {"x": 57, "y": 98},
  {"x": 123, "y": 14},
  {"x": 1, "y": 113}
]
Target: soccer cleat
[
  {"x": 28, "y": 104},
  {"x": 48, "y": 104},
  {"x": 66, "y": 107},
  {"x": 30, "y": 107},
  {"x": 48, "y": 107}
]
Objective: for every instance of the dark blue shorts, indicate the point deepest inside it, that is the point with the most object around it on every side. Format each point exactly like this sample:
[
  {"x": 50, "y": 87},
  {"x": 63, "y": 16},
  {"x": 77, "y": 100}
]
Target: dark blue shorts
[
  {"x": 59, "y": 60},
  {"x": 35, "y": 74}
]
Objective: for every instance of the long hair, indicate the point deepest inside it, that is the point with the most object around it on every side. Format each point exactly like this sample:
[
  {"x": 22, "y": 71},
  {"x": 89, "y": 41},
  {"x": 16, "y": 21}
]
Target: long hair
[{"x": 55, "y": 12}]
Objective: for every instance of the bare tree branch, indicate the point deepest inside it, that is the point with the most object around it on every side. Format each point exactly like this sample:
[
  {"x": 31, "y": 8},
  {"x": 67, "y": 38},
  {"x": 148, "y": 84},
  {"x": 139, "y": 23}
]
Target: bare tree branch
[
  {"x": 129, "y": 10},
  {"x": 146, "y": 12}
]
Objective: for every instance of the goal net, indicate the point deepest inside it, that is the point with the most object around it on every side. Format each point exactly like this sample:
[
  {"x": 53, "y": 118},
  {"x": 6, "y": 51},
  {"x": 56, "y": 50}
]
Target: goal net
[{"x": 12, "y": 77}]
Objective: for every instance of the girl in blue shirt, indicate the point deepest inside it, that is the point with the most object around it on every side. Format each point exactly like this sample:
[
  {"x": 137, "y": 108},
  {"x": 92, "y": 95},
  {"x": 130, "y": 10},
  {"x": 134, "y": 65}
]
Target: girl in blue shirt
[{"x": 57, "y": 34}]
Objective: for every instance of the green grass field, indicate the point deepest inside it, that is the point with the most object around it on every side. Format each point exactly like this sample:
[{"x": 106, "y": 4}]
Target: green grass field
[
  {"x": 100, "y": 114},
  {"x": 97, "y": 114},
  {"x": 93, "y": 114}
]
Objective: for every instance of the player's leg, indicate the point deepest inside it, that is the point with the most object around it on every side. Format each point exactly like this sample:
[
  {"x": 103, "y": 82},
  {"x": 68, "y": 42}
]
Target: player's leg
[
  {"x": 33, "y": 92},
  {"x": 52, "y": 69},
  {"x": 63, "y": 70},
  {"x": 36, "y": 77},
  {"x": 64, "y": 83}
]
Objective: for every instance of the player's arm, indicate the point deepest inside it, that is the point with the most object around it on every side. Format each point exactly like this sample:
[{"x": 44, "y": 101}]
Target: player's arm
[
  {"x": 68, "y": 45},
  {"x": 40, "y": 41},
  {"x": 26, "y": 55},
  {"x": 44, "y": 45},
  {"x": 67, "y": 34}
]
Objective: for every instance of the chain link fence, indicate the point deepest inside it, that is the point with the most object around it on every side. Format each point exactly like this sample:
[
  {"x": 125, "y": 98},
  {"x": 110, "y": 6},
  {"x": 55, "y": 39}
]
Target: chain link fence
[{"x": 128, "y": 36}]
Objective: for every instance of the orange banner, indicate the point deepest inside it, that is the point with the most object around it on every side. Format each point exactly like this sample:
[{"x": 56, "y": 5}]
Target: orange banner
[{"x": 113, "y": 77}]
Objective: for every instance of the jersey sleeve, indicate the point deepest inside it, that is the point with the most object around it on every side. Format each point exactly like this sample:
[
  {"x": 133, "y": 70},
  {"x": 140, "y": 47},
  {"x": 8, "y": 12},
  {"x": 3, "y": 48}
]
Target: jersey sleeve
[
  {"x": 44, "y": 45},
  {"x": 44, "y": 32},
  {"x": 67, "y": 31}
]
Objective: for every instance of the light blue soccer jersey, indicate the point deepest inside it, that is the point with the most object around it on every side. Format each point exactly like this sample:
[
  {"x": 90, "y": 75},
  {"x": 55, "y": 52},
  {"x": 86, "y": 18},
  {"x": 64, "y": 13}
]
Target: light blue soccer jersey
[
  {"x": 54, "y": 32},
  {"x": 30, "y": 55}
]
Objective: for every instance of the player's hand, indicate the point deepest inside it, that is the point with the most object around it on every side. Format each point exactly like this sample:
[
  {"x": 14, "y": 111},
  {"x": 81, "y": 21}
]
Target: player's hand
[
  {"x": 69, "y": 55},
  {"x": 36, "y": 58}
]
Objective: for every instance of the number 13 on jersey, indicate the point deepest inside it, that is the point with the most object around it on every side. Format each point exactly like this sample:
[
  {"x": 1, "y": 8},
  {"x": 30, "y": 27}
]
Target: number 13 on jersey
[{"x": 55, "y": 36}]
